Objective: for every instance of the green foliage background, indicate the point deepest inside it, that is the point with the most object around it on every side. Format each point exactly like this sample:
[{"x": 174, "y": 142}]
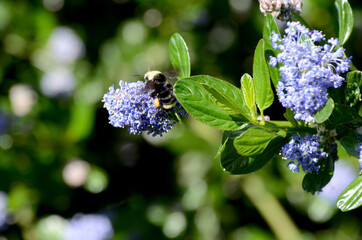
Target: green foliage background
[{"x": 152, "y": 188}]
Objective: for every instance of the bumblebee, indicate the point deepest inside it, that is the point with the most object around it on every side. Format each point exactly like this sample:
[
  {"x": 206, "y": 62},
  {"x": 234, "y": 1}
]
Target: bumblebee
[{"x": 162, "y": 92}]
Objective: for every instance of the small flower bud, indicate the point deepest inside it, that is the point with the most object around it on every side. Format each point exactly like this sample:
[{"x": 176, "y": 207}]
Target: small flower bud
[{"x": 280, "y": 9}]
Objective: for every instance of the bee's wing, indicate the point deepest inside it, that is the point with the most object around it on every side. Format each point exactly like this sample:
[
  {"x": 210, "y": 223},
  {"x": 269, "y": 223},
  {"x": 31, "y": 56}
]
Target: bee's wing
[{"x": 171, "y": 74}]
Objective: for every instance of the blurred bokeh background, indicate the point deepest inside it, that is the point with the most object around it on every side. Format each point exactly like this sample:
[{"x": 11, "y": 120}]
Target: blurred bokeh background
[{"x": 59, "y": 157}]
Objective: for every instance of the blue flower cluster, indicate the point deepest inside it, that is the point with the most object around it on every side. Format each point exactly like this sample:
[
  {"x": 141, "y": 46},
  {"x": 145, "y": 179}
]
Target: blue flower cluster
[
  {"x": 308, "y": 70},
  {"x": 304, "y": 152},
  {"x": 359, "y": 149},
  {"x": 90, "y": 227},
  {"x": 132, "y": 106}
]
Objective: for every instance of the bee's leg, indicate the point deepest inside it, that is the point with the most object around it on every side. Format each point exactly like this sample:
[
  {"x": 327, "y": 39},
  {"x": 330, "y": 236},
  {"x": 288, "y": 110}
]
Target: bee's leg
[
  {"x": 156, "y": 102},
  {"x": 154, "y": 94}
]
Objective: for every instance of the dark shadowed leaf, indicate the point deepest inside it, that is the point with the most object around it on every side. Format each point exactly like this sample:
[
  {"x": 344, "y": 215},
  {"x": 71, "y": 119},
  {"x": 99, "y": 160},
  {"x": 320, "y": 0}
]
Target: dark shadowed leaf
[
  {"x": 341, "y": 114},
  {"x": 289, "y": 115},
  {"x": 234, "y": 163},
  {"x": 350, "y": 144},
  {"x": 314, "y": 182}
]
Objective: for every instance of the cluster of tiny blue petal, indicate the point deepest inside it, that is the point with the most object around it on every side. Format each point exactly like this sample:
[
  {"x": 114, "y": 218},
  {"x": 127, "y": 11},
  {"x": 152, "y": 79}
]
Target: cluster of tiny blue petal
[
  {"x": 304, "y": 152},
  {"x": 90, "y": 227},
  {"x": 132, "y": 106},
  {"x": 307, "y": 69},
  {"x": 359, "y": 150}
]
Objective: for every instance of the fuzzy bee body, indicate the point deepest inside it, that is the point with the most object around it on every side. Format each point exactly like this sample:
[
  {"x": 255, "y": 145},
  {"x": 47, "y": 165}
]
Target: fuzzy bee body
[{"x": 162, "y": 92}]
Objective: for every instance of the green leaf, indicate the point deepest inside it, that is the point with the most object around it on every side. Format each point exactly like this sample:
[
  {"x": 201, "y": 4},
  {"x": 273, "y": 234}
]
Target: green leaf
[
  {"x": 297, "y": 17},
  {"x": 350, "y": 144},
  {"x": 263, "y": 91},
  {"x": 221, "y": 148},
  {"x": 354, "y": 87},
  {"x": 323, "y": 114},
  {"x": 282, "y": 133},
  {"x": 234, "y": 163},
  {"x": 179, "y": 56},
  {"x": 341, "y": 114},
  {"x": 360, "y": 111},
  {"x": 197, "y": 102},
  {"x": 253, "y": 141},
  {"x": 274, "y": 71},
  {"x": 354, "y": 77},
  {"x": 231, "y": 161},
  {"x": 223, "y": 102},
  {"x": 314, "y": 182},
  {"x": 345, "y": 20},
  {"x": 247, "y": 88},
  {"x": 269, "y": 26},
  {"x": 289, "y": 115},
  {"x": 351, "y": 197}
]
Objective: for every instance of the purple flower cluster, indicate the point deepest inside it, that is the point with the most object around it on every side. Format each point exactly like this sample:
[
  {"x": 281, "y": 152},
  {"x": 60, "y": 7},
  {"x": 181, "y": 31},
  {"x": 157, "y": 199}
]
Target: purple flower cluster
[
  {"x": 132, "y": 106},
  {"x": 308, "y": 70},
  {"x": 90, "y": 227},
  {"x": 304, "y": 152},
  {"x": 359, "y": 150}
]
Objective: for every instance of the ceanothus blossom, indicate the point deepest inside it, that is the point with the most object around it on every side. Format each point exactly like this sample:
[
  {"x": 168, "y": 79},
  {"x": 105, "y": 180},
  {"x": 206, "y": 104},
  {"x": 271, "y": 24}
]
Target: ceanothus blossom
[
  {"x": 359, "y": 150},
  {"x": 307, "y": 70},
  {"x": 303, "y": 152},
  {"x": 133, "y": 107}
]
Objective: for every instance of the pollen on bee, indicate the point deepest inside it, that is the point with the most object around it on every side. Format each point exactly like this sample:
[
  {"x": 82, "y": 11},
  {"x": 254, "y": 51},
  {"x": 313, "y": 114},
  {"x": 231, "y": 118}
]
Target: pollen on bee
[{"x": 156, "y": 102}]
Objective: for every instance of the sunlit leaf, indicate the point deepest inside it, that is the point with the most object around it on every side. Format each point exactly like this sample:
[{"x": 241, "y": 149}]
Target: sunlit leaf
[
  {"x": 253, "y": 141},
  {"x": 345, "y": 20},
  {"x": 247, "y": 88},
  {"x": 323, "y": 114},
  {"x": 197, "y": 102},
  {"x": 351, "y": 197},
  {"x": 223, "y": 102},
  {"x": 270, "y": 26},
  {"x": 263, "y": 91},
  {"x": 179, "y": 56}
]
